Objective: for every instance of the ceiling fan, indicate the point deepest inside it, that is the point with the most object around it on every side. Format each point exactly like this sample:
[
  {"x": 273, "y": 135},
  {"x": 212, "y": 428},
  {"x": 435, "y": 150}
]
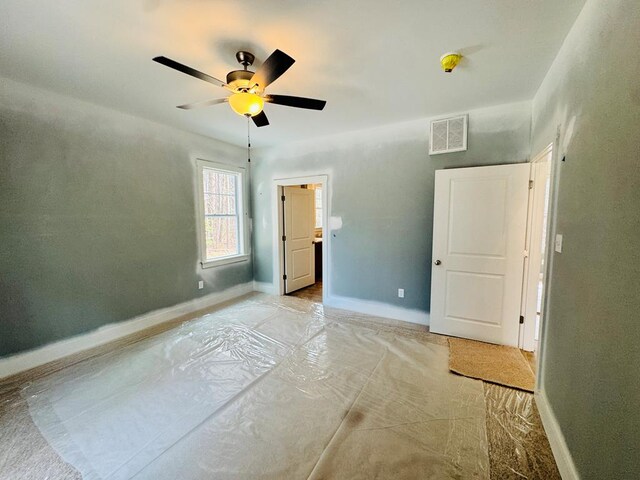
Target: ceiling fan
[{"x": 248, "y": 96}]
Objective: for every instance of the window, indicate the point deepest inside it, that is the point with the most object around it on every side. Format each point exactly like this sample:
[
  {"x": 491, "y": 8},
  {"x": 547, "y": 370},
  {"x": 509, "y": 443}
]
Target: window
[
  {"x": 318, "y": 201},
  {"x": 221, "y": 214}
]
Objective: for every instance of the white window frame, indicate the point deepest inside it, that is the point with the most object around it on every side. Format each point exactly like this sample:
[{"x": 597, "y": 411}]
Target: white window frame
[{"x": 241, "y": 208}]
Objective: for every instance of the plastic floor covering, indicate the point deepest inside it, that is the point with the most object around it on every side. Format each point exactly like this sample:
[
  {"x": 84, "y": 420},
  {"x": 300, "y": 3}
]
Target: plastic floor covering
[{"x": 277, "y": 388}]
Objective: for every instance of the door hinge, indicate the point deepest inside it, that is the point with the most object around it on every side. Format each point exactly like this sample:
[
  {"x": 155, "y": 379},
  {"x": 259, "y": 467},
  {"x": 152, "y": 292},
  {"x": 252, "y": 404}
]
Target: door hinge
[
  {"x": 284, "y": 238},
  {"x": 284, "y": 277},
  {"x": 282, "y": 198},
  {"x": 530, "y": 184},
  {"x": 521, "y": 319}
]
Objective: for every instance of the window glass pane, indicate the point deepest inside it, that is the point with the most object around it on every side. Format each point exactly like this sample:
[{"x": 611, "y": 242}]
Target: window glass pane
[
  {"x": 221, "y": 236},
  {"x": 221, "y": 213},
  {"x": 222, "y": 183},
  {"x": 215, "y": 204}
]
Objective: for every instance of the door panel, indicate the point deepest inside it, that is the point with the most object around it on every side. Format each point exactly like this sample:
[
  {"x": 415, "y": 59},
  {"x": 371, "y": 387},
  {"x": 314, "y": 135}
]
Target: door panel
[
  {"x": 300, "y": 264},
  {"x": 487, "y": 216},
  {"x": 479, "y": 239},
  {"x": 299, "y": 228},
  {"x": 474, "y": 308}
]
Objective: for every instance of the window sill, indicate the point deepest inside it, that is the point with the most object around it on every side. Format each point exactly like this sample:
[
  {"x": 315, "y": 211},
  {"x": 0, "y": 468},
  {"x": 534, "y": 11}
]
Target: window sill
[{"x": 225, "y": 261}]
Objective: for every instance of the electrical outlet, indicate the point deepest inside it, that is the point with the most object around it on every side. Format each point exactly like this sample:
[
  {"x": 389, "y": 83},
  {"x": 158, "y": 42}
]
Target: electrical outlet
[
  {"x": 200, "y": 285},
  {"x": 559, "y": 243},
  {"x": 401, "y": 293}
]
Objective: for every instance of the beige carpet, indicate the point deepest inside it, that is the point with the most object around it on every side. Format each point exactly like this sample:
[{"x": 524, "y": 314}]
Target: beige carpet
[{"x": 492, "y": 363}]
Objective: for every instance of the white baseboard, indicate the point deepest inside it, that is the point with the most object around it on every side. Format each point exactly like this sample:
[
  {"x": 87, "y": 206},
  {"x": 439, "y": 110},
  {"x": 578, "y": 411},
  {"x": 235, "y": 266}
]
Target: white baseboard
[
  {"x": 559, "y": 447},
  {"x": 264, "y": 287},
  {"x": 378, "y": 309},
  {"x": 54, "y": 351},
  {"x": 369, "y": 307}
]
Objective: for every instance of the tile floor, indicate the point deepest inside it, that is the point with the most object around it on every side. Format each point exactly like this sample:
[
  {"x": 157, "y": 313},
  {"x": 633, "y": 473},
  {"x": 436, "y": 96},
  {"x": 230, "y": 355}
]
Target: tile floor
[{"x": 312, "y": 293}]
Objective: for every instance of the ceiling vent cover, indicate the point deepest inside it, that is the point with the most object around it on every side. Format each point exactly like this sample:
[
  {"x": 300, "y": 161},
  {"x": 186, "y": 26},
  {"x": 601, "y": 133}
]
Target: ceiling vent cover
[{"x": 448, "y": 135}]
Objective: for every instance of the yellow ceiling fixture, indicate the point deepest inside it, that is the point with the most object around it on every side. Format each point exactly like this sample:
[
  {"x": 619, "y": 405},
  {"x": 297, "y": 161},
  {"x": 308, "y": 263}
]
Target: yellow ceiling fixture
[
  {"x": 449, "y": 61},
  {"x": 246, "y": 103}
]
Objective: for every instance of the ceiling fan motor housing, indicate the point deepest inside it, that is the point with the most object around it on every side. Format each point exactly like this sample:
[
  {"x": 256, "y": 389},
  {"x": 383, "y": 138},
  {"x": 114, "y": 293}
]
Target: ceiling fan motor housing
[{"x": 239, "y": 80}]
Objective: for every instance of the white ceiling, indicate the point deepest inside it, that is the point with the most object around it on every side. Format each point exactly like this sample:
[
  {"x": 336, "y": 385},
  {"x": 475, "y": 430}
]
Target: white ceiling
[{"x": 375, "y": 62}]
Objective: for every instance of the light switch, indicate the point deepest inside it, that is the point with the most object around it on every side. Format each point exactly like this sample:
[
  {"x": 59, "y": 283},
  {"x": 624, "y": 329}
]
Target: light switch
[
  {"x": 200, "y": 285},
  {"x": 401, "y": 293},
  {"x": 559, "y": 243}
]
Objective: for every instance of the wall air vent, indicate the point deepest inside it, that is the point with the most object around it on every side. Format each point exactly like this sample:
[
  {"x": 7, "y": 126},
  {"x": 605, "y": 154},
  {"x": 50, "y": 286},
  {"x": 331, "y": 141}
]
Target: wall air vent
[{"x": 448, "y": 135}]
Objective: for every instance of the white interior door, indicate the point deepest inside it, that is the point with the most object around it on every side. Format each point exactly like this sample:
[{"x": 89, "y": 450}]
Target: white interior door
[
  {"x": 299, "y": 228},
  {"x": 480, "y": 217}
]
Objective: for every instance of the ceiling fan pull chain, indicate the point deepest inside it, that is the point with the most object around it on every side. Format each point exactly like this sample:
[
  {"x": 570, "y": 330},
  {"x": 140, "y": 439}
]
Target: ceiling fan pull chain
[{"x": 248, "y": 140}]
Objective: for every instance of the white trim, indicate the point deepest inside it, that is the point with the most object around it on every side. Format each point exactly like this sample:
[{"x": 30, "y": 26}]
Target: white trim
[
  {"x": 225, "y": 261},
  {"x": 534, "y": 256},
  {"x": 541, "y": 156},
  {"x": 554, "y": 183},
  {"x": 243, "y": 202},
  {"x": 278, "y": 252},
  {"x": 113, "y": 331},
  {"x": 522, "y": 337},
  {"x": 265, "y": 287},
  {"x": 559, "y": 447},
  {"x": 377, "y": 309}
]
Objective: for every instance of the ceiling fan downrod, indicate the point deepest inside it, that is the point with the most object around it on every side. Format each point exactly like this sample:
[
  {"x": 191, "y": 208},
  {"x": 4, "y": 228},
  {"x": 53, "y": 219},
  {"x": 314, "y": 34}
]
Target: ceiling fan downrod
[{"x": 245, "y": 59}]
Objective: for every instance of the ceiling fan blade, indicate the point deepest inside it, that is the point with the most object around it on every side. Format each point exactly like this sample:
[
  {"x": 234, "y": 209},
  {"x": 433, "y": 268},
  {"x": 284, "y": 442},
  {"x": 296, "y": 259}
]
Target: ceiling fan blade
[
  {"x": 208, "y": 103},
  {"x": 297, "y": 102},
  {"x": 188, "y": 70},
  {"x": 274, "y": 66},
  {"x": 260, "y": 119}
]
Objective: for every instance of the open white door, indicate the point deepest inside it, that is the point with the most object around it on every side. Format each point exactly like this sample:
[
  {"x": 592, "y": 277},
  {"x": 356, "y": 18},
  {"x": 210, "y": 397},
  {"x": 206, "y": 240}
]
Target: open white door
[
  {"x": 480, "y": 217},
  {"x": 299, "y": 233}
]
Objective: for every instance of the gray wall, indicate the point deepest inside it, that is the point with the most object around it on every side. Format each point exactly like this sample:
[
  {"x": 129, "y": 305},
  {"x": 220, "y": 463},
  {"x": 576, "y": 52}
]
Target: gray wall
[
  {"x": 381, "y": 185},
  {"x": 97, "y": 217},
  {"x": 591, "y": 355}
]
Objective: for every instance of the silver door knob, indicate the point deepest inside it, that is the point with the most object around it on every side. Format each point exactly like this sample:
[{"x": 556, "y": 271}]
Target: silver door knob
[{"x": 437, "y": 262}]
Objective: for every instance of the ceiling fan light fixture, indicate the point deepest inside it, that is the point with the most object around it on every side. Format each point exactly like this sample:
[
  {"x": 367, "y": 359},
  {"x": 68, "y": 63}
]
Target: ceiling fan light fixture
[
  {"x": 247, "y": 87},
  {"x": 246, "y": 104}
]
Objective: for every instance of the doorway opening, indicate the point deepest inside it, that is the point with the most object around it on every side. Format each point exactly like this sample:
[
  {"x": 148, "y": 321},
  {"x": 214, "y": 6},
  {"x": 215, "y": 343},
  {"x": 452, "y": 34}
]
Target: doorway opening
[
  {"x": 302, "y": 215},
  {"x": 537, "y": 241}
]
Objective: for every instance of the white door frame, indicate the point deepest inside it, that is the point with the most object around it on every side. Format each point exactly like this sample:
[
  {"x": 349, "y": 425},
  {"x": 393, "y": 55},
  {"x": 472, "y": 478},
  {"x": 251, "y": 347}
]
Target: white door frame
[
  {"x": 534, "y": 258},
  {"x": 554, "y": 181},
  {"x": 278, "y": 250}
]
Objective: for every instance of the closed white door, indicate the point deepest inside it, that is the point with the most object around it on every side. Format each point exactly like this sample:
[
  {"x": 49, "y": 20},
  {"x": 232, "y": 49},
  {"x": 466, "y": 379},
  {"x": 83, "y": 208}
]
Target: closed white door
[
  {"x": 480, "y": 217},
  {"x": 299, "y": 228}
]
